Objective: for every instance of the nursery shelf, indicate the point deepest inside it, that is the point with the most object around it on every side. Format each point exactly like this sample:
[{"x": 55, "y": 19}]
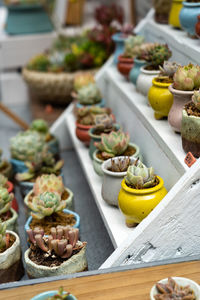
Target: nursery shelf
[
  {"x": 112, "y": 217},
  {"x": 162, "y": 133}
]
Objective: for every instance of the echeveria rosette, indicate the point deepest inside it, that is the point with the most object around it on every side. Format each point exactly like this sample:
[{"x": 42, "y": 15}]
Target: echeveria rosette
[
  {"x": 196, "y": 99},
  {"x": 50, "y": 183},
  {"x": 89, "y": 94},
  {"x": 139, "y": 176},
  {"x": 187, "y": 78},
  {"x": 46, "y": 204},
  {"x": 113, "y": 144},
  {"x": 168, "y": 70},
  {"x": 5, "y": 200}
]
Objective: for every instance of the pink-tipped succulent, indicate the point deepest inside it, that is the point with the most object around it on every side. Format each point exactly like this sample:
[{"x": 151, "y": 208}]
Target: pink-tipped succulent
[
  {"x": 113, "y": 144},
  {"x": 120, "y": 165},
  {"x": 50, "y": 183},
  {"x": 196, "y": 99},
  {"x": 187, "y": 78},
  {"x": 61, "y": 241}
]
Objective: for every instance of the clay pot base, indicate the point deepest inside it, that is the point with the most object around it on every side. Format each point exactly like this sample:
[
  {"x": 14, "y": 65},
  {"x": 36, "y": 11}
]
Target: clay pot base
[
  {"x": 54, "y": 220},
  {"x": 131, "y": 225},
  {"x": 31, "y": 277},
  {"x": 13, "y": 273},
  {"x": 129, "y": 152},
  {"x": 6, "y": 216},
  {"x": 192, "y": 147}
]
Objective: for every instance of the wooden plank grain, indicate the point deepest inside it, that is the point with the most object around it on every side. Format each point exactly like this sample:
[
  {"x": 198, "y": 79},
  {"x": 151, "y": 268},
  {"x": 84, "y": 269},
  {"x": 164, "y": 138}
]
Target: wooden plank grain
[{"x": 126, "y": 285}]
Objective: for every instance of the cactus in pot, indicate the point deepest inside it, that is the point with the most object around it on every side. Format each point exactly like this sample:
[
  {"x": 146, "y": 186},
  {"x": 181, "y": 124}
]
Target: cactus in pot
[
  {"x": 156, "y": 56},
  {"x": 89, "y": 95}
]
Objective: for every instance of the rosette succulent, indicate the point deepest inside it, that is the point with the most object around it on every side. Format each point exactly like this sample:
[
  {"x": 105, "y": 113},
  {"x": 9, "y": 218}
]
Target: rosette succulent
[
  {"x": 86, "y": 115},
  {"x": 139, "y": 176},
  {"x": 5, "y": 200},
  {"x": 187, "y": 78},
  {"x": 50, "y": 183},
  {"x": 82, "y": 80},
  {"x": 121, "y": 165},
  {"x": 132, "y": 44},
  {"x": 168, "y": 70},
  {"x": 196, "y": 99},
  {"x": 27, "y": 145},
  {"x": 113, "y": 144},
  {"x": 89, "y": 94},
  {"x": 103, "y": 123},
  {"x": 46, "y": 204}
]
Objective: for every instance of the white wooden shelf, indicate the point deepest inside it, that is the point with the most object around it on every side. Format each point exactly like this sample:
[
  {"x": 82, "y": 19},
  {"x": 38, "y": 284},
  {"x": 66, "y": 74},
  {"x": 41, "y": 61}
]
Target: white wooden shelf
[{"x": 112, "y": 217}]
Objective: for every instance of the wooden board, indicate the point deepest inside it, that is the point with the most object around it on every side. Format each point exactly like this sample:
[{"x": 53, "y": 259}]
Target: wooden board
[{"x": 127, "y": 285}]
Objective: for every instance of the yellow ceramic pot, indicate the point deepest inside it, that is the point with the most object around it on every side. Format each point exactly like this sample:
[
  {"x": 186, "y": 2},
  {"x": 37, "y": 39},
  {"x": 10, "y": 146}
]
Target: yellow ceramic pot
[
  {"x": 174, "y": 13},
  {"x": 160, "y": 98},
  {"x": 137, "y": 204}
]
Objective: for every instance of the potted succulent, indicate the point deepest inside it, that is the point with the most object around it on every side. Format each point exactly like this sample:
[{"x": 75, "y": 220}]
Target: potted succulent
[
  {"x": 162, "y": 9},
  {"x": 188, "y": 16},
  {"x": 5, "y": 167},
  {"x": 5, "y": 183},
  {"x": 104, "y": 123},
  {"x": 44, "y": 163},
  {"x": 114, "y": 170},
  {"x": 7, "y": 214},
  {"x": 59, "y": 253},
  {"x": 126, "y": 60},
  {"x": 86, "y": 120},
  {"x": 54, "y": 295},
  {"x": 47, "y": 202},
  {"x": 42, "y": 128},
  {"x": 11, "y": 266},
  {"x": 174, "y": 13},
  {"x": 82, "y": 79},
  {"x": 186, "y": 80},
  {"x": 159, "y": 95},
  {"x": 24, "y": 147},
  {"x": 141, "y": 190},
  {"x": 89, "y": 95},
  {"x": 115, "y": 143},
  {"x": 155, "y": 57},
  {"x": 190, "y": 126}
]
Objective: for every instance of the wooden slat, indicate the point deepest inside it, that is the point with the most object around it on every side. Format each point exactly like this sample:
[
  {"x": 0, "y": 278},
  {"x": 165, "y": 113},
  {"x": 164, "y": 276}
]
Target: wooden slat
[{"x": 127, "y": 285}]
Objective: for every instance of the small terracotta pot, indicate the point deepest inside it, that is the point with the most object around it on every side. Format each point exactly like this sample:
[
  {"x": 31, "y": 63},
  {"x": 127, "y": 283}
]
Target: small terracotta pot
[
  {"x": 125, "y": 65},
  {"x": 82, "y": 133},
  {"x": 197, "y": 26},
  {"x": 175, "y": 113}
]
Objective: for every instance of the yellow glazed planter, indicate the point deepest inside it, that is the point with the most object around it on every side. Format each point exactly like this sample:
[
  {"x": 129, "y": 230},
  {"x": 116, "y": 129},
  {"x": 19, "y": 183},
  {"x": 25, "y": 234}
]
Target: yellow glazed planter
[
  {"x": 137, "y": 204},
  {"x": 160, "y": 98},
  {"x": 174, "y": 13}
]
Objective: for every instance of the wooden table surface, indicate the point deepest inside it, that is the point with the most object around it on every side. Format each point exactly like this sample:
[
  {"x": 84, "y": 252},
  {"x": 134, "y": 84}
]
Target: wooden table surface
[{"x": 126, "y": 285}]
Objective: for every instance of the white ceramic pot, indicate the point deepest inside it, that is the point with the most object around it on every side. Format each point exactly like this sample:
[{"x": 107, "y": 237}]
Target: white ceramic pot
[
  {"x": 76, "y": 263},
  {"x": 69, "y": 199},
  {"x": 182, "y": 282},
  {"x": 10, "y": 223},
  {"x": 144, "y": 81},
  {"x": 111, "y": 184}
]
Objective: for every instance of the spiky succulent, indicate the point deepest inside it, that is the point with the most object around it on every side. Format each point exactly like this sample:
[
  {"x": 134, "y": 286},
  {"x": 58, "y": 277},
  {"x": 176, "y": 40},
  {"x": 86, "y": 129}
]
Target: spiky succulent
[
  {"x": 46, "y": 204},
  {"x": 60, "y": 242},
  {"x": 131, "y": 45},
  {"x": 5, "y": 200},
  {"x": 139, "y": 176},
  {"x": 120, "y": 165},
  {"x": 103, "y": 123},
  {"x": 168, "y": 70},
  {"x": 40, "y": 62},
  {"x": 50, "y": 183},
  {"x": 82, "y": 80},
  {"x": 157, "y": 55},
  {"x": 86, "y": 115},
  {"x": 187, "y": 78},
  {"x": 3, "y": 180},
  {"x": 113, "y": 144},
  {"x": 27, "y": 145},
  {"x": 3, "y": 240},
  {"x": 89, "y": 94},
  {"x": 196, "y": 99}
]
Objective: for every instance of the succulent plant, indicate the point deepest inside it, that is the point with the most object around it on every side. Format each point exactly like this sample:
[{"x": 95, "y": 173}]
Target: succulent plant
[
  {"x": 39, "y": 63},
  {"x": 46, "y": 204},
  {"x": 56, "y": 59},
  {"x": 3, "y": 163},
  {"x": 48, "y": 183},
  {"x": 60, "y": 242},
  {"x": 157, "y": 55},
  {"x": 82, "y": 80},
  {"x": 86, "y": 115},
  {"x": 3, "y": 239},
  {"x": 60, "y": 295},
  {"x": 27, "y": 145},
  {"x": 89, "y": 94},
  {"x": 196, "y": 99},
  {"x": 168, "y": 70},
  {"x": 45, "y": 164},
  {"x": 132, "y": 44},
  {"x": 3, "y": 180},
  {"x": 5, "y": 200},
  {"x": 103, "y": 123},
  {"x": 113, "y": 144},
  {"x": 139, "y": 176},
  {"x": 187, "y": 78},
  {"x": 121, "y": 165},
  {"x": 39, "y": 125}
]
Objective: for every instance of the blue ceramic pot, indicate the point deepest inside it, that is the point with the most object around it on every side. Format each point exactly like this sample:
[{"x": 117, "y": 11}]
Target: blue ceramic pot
[
  {"x": 67, "y": 211},
  {"x": 188, "y": 16},
  {"x": 53, "y": 146},
  {"x": 135, "y": 71},
  {"x": 100, "y": 104},
  {"x": 18, "y": 166},
  {"x": 46, "y": 295},
  {"x": 118, "y": 39}
]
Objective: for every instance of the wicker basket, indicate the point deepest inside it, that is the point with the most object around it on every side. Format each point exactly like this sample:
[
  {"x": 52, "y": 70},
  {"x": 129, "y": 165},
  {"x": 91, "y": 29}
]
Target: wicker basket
[{"x": 51, "y": 87}]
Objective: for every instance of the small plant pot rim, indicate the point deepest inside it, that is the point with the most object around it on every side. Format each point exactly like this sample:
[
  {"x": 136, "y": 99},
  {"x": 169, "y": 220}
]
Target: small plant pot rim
[
  {"x": 179, "y": 92},
  {"x": 101, "y": 103},
  {"x": 96, "y": 136},
  {"x": 125, "y": 59},
  {"x": 155, "y": 82},
  {"x": 46, "y": 295},
  {"x": 140, "y": 61},
  {"x": 10, "y": 186},
  {"x": 143, "y": 191},
  {"x": 107, "y": 163},
  {"x": 85, "y": 127},
  {"x": 149, "y": 72},
  {"x": 191, "y": 4},
  {"x": 10, "y": 252},
  {"x": 181, "y": 281}
]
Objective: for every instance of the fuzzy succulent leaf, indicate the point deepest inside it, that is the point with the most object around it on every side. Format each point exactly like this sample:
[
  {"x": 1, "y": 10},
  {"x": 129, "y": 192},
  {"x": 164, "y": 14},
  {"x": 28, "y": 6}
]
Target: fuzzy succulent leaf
[
  {"x": 50, "y": 183},
  {"x": 89, "y": 94},
  {"x": 5, "y": 200},
  {"x": 187, "y": 78}
]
